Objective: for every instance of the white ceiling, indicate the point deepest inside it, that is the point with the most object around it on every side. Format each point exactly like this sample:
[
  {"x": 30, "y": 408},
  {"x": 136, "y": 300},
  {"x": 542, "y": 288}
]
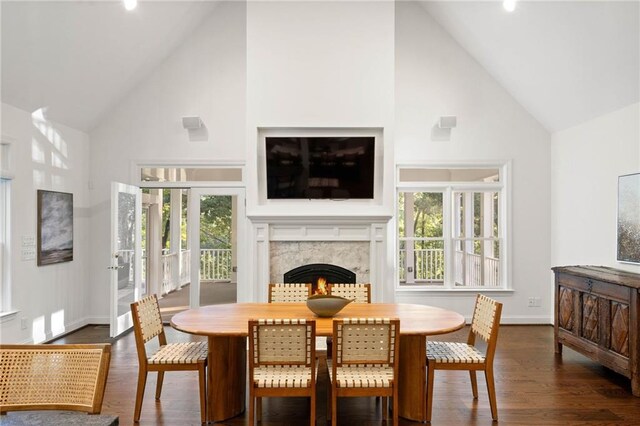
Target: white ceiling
[
  {"x": 565, "y": 62},
  {"x": 78, "y": 59}
]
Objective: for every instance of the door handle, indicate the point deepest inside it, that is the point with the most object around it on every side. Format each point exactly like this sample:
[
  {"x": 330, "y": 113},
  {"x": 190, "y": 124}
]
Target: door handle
[{"x": 115, "y": 267}]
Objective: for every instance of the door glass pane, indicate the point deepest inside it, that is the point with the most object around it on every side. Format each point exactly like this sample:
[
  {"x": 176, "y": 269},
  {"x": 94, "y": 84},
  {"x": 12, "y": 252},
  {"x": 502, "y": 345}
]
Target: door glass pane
[
  {"x": 421, "y": 242},
  {"x": 217, "y": 249},
  {"x": 126, "y": 251}
]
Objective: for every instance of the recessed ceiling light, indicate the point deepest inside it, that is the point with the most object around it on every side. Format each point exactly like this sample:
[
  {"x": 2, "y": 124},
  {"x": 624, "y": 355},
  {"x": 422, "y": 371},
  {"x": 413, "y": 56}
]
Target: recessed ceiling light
[
  {"x": 130, "y": 4},
  {"x": 509, "y": 5}
]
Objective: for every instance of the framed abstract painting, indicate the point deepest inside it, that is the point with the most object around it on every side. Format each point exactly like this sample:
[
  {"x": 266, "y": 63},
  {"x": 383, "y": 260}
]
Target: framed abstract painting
[
  {"x": 55, "y": 227},
  {"x": 629, "y": 218}
]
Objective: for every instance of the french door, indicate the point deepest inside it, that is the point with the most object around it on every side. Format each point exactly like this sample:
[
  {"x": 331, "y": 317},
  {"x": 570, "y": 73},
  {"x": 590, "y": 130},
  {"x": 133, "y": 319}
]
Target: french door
[
  {"x": 126, "y": 254},
  {"x": 199, "y": 201}
]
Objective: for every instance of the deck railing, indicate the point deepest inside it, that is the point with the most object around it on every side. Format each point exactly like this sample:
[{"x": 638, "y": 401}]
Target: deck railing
[
  {"x": 469, "y": 272},
  {"x": 215, "y": 264}
]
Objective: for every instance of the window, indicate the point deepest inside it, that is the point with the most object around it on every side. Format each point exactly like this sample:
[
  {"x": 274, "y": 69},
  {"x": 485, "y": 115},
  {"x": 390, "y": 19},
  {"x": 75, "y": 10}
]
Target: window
[{"x": 452, "y": 227}]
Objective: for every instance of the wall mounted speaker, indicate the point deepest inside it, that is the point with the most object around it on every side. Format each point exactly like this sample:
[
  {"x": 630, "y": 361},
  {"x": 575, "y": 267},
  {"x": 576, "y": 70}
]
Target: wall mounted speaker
[
  {"x": 448, "y": 122},
  {"x": 191, "y": 123}
]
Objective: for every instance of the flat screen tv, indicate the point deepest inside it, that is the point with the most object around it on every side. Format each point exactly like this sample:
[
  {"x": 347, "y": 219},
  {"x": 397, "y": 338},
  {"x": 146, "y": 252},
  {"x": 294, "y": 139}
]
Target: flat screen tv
[{"x": 320, "y": 167}]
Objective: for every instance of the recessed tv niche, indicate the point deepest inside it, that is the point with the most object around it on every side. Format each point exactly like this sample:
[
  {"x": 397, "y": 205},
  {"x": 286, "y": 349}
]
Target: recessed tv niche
[{"x": 320, "y": 167}]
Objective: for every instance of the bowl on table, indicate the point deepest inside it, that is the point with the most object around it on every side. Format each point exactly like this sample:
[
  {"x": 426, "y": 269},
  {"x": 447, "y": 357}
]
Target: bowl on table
[{"x": 326, "y": 305}]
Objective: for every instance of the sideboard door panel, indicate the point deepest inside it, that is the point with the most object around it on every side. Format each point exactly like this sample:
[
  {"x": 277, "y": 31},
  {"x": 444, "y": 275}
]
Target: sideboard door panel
[
  {"x": 590, "y": 313},
  {"x": 565, "y": 308},
  {"x": 620, "y": 328}
]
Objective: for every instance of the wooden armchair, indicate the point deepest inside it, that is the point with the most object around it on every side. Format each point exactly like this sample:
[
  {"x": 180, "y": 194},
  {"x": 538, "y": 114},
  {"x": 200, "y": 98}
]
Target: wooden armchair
[
  {"x": 282, "y": 362},
  {"x": 53, "y": 377},
  {"x": 365, "y": 362},
  {"x": 289, "y": 292},
  {"x": 465, "y": 356},
  {"x": 147, "y": 324}
]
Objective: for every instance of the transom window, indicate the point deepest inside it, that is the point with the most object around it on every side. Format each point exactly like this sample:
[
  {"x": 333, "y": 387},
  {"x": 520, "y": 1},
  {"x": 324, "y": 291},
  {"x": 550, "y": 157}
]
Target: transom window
[{"x": 452, "y": 227}]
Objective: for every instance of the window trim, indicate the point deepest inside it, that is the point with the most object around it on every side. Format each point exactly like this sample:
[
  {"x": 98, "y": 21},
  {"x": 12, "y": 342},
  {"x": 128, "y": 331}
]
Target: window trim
[
  {"x": 447, "y": 188},
  {"x": 5, "y": 252}
]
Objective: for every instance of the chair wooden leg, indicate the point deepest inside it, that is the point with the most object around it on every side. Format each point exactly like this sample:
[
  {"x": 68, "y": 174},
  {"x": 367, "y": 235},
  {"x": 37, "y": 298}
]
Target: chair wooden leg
[
  {"x": 252, "y": 408},
  {"x": 259, "y": 409},
  {"x": 159, "y": 384},
  {"x": 474, "y": 383},
  {"x": 334, "y": 407},
  {"x": 313, "y": 409},
  {"x": 142, "y": 382},
  {"x": 385, "y": 407},
  {"x": 396, "y": 409},
  {"x": 491, "y": 390},
  {"x": 430, "y": 373},
  {"x": 202, "y": 378},
  {"x": 329, "y": 401}
]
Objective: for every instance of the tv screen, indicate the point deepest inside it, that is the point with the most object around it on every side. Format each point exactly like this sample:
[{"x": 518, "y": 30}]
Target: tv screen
[{"x": 320, "y": 167}]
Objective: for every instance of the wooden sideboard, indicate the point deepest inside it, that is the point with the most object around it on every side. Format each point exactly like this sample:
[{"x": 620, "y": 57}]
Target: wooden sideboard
[{"x": 596, "y": 314}]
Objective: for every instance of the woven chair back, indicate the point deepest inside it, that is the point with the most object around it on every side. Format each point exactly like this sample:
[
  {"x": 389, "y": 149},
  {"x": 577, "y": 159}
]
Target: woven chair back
[
  {"x": 289, "y": 292},
  {"x": 282, "y": 341},
  {"x": 359, "y": 293},
  {"x": 53, "y": 377},
  {"x": 484, "y": 320},
  {"x": 148, "y": 315},
  {"x": 365, "y": 341}
]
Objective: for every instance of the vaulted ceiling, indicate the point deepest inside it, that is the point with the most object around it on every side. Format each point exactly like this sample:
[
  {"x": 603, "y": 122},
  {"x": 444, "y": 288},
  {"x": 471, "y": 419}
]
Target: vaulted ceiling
[
  {"x": 78, "y": 59},
  {"x": 565, "y": 62}
]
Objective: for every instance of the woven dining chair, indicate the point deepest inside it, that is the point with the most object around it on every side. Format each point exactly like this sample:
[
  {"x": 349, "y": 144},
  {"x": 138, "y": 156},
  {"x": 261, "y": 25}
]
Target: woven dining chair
[
  {"x": 359, "y": 293},
  {"x": 465, "y": 356},
  {"x": 282, "y": 362},
  {"x": 365, "y": 362},
  {"x": 147, "y": 324},
  {"x": 289, "y": 292},
  {"x": 53, "y": 377}
]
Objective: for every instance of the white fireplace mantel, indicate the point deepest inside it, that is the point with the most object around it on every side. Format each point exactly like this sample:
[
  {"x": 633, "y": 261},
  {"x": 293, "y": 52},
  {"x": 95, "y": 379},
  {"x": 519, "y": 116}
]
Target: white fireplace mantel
[{"x": 267, "y": 230}]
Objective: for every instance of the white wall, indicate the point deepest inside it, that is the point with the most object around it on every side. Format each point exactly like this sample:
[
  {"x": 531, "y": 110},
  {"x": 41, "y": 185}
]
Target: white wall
[
  {"x": 435, "y": 77},
  {"x": 52, "y": 298},
  {"x": 320, "y": 64},
  {"x": 586, "y": 162},
  {"x": 204, "y": 77}
]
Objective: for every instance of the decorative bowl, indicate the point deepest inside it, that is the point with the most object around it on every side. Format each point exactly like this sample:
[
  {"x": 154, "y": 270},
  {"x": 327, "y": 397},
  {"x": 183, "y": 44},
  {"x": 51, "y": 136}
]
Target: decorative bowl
[{"x": 325, "y": 305}]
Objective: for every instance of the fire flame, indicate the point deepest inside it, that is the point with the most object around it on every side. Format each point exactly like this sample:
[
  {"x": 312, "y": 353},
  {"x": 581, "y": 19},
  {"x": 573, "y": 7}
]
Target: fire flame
[{"x": 322, "y": 286}]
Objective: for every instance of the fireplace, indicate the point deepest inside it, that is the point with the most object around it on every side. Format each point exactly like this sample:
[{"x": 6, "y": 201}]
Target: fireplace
[{"x": 310, "y": 274}]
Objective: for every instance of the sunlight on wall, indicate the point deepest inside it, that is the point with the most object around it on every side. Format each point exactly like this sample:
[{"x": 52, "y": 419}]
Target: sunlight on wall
[
  {"x": 37, "y": 330},
  {"x": 37, "y": 153},
  {"x": 57, "y": 182},
  {"x": 38, "y": 178},
  {"x": 59, "y": 152},
  {"x": 57, "y": 322}
]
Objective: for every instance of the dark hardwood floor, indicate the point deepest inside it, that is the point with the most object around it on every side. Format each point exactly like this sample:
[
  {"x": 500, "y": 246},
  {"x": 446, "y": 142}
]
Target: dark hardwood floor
[{"x": 534, "y": 387}]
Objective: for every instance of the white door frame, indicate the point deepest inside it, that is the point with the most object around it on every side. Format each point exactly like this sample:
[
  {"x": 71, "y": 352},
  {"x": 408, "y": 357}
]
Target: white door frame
[{"x": 193, "y": 213}]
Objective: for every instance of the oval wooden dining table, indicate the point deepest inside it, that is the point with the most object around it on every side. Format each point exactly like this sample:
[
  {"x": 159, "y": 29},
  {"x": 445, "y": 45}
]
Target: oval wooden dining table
[{"x": 226, "y": 327}]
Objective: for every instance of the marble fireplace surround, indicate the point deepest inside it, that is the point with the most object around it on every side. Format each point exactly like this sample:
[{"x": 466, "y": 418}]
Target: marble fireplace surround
[{"x": 359, "y": 246}]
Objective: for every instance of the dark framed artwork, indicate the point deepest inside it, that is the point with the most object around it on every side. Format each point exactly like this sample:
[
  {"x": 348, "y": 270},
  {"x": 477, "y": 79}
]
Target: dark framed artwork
[
  {"x": 55, "y": 227},
  {"x": 629, "y": 218}
]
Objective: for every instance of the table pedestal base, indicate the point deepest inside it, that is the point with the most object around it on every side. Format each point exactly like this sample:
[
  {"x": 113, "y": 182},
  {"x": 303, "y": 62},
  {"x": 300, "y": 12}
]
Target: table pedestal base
[
  {"x": 226, "y": 378},
  {"x": 412, "y": 380}
]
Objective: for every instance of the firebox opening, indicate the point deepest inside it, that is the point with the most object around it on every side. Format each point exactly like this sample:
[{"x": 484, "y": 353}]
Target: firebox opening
[{"x": 311, "y": 273}]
